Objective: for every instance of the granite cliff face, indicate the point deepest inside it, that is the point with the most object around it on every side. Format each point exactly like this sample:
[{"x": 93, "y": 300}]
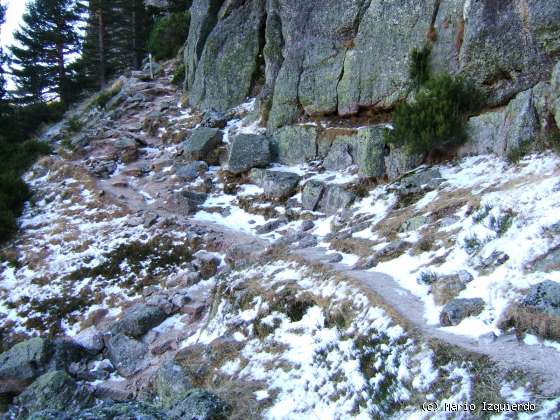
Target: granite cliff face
[{"x": 331, "y": 57}]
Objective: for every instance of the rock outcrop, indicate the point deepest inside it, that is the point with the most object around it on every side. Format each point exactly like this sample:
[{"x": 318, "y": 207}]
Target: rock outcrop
[{"x": 328, "y": 56}]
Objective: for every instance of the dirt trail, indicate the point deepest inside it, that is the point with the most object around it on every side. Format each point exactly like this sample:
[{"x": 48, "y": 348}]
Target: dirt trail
[{"x": 506, "y": 351}]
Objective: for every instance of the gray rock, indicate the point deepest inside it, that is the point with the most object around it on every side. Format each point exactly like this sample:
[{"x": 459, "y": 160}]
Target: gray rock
[
  {"x": 280, "y": 185},
  {"x": 365, "y": 263},
  {"x": 503, "y": 132},
  {"x": 458, "y": 309},
  {"x": 398, "y": 162},
  {"x": 207, "y": 264},
  {"x": 421, "y": 180},
  {"x": 229, "y": 59},
  {"x": 548, "y": 262},
  {"x": 496, "y": 51},
  {"x": 23, "y": 363},
  {"x": 190, "y": 201},
  {"x": 127, "y": 149},
  {"x": 90, "y": 339},
  {"x": 248, "y": 151},
  {"x": 336, "y": 197},
  {"x": 295, "y": 144},
  {"x": 171, "y": 383},
  {"x": 256, "y": 176},
  {"x": 200, "y": 145},
  {"x": 204, "y": 15},
  {"x": 307, "y": 225},
  {"x": 414, "y": 223},
  {"x": 65, "y": 352},
  {"x": 121, "y": 410},
  {"x": 544, "y": 297},
  {"x": 334, "y": 258},
  {"x": 364, "y": 148},
  {"x": 126, "y": 354},
  {"x": 555, "y": 85},
  {"x": 447, "y": 288},
  {"x": 138, "y": 320},
  {"x": 191, "y": 171},
  {"x": 308, "y": 241},
  {"x": 54, "y": 391},
  {"x": 198, "y": 404},
  {"x": 214, "y": 119},
  {"x": 312, "y": 194},
  {"x": 270, "y": 226}
]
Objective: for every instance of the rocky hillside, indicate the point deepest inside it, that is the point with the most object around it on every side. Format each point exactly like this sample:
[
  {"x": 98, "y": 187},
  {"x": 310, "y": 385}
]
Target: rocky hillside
[{"x": 250, "y": 247}]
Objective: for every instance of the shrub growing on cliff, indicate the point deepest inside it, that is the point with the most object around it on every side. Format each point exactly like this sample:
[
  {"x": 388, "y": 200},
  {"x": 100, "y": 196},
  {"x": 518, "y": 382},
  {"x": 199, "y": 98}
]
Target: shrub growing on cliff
[
  {"x": 168, "y": 35},
  {"x": 419, "y": 67},
  {"x": 435, "y": 120}
]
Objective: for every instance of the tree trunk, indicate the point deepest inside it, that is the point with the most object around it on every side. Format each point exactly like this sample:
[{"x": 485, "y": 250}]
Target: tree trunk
[
  {"x": 135, "y": 61},
  {"x": 62, "y": 81},
  {"x": 101, "y": 42}
]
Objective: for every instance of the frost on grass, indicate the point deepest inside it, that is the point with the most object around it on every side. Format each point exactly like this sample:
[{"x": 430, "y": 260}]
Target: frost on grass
[
  {"x": 321, "y": 349},
  {"x": 76, "y": 254},
  {"x": 488, "y": 217}
]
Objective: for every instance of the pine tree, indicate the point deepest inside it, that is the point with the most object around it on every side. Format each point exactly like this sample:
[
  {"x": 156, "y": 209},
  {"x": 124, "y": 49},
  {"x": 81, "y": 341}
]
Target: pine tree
[
  {"x": 116, "y": 36},
  {"x": 2, "y": 60},
  {"x": 48, "y": 39}
]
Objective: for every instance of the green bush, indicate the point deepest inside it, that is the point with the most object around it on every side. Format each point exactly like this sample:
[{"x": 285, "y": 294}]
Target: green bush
[
  {"x": 14, "y": 192},
  {"x": 179, "y": 74},
  {"x": 419, "y": 67},
  {"x": 168, "y": 35},
  {"x": 435, "y": 120}
]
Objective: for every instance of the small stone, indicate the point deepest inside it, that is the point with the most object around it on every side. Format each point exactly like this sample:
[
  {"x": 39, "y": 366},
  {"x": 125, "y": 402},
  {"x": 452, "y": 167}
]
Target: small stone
[
  {"x": 458, "y": 309},
  {"x": 307, "y": 225}
]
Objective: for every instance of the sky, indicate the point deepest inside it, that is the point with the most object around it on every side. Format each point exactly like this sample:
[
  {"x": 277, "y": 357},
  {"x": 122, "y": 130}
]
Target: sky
[{"x": 13, "y": 20}]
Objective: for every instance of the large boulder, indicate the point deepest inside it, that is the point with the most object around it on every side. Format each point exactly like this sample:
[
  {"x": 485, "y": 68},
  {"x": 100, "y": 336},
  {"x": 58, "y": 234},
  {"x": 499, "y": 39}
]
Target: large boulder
[
  {"x": 201, "y": 143},
  {"x": 363, "y": 147},
  {"x": 328, "y": 198},
  {"x": 295, "y": 144},
  {"x": 336, "y": 198},
  {"x": 198, "y": 404},
  {"x": 508, "y": 45},
  {"x": 127, "y": 354},
  {"x": 279, "y": 184},
  {"x": 458, "y": 309},
  {"x": 506, "y": 131},
  {"x": 544, "y": 297},
  {"x": 398, "y": 162},
  {"x": 248, "y": 151},
  {"x": 204, "y": 16},
  {"x": 138, "y": 320},
  {"x": 53, "y": 391},
  {"x": 171, "y": 383},
  {"x": 229, "y": 60},
  {"x": 24, "y": 362}
]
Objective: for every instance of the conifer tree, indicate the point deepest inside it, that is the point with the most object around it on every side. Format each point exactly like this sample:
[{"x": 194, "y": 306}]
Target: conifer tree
[{"x": 48, "y": 39}]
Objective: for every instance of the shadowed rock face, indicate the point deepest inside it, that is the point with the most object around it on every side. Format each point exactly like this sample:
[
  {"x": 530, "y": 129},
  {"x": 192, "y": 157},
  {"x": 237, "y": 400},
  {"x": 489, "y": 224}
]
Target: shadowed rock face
[{"x": 338, "y": 56}]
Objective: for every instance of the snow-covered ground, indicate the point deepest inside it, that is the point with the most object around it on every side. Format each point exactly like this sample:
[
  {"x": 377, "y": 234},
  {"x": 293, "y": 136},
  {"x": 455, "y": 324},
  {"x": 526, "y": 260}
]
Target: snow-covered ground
[
  {"x": 339, "y": 357},
  {"x": 518, "y": 206}
]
